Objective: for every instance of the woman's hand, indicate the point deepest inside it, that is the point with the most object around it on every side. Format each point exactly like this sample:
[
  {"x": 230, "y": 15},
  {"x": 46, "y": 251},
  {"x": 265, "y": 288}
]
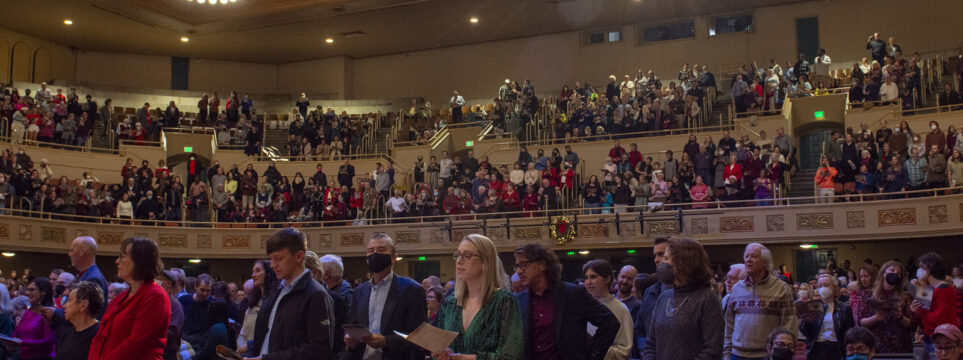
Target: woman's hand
[{"x": 915, "y": 306}]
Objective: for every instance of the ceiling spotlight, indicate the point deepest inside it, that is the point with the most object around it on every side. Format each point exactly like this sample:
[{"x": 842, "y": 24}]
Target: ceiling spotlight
[
  {"x": 201, "y": 1},
  {"x": 223, "y": 1},
  {"x": 233, "y": 0},
  {"x": 473, "y": 20},
  {"x": 68, "y": 22},
  {"x": 212, "y": 2},
  {"x": 329, "y": 40},
  {"x": 185, "y": 39},
  {"x": 8, "y": 254},
  {"x": 583, "y": 252}
]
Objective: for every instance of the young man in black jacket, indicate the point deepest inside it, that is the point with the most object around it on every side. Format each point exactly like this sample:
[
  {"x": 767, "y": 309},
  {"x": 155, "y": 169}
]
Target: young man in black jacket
[{"x": 293, "y": 323}]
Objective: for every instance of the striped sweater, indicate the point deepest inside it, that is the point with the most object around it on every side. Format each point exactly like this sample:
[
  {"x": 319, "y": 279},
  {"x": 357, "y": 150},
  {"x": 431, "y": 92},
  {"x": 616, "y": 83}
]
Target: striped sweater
[{"x": 755, "y": 310}]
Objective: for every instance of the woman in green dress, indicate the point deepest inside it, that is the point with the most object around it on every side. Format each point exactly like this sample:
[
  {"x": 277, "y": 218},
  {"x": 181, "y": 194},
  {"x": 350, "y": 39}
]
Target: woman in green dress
[{"x": 483, "y": 311}]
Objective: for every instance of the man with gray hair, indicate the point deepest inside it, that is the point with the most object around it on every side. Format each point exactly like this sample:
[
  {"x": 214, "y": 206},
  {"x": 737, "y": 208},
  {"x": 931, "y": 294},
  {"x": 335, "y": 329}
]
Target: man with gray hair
[
  {"x": 332, "y": 272},
  {"x": 757, "y": 306},
  {"x": 737, "y": 273}
]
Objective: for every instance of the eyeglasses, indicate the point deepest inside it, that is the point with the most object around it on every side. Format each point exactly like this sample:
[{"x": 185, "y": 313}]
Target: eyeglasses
[
  {"x": 857, "y": 348},
  {"x": 522, "y": 265},
  {"x": 467, "y": 255},
  {"x": 944, "y": 348}
]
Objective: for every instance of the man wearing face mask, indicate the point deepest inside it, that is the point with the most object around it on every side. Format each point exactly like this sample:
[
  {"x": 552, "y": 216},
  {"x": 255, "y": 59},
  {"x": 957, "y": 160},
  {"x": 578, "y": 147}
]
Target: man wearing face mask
[
  {"x": 860, "y": 344},
  {"x": 825, "y": 327},
  {"x": 781, "y": 345},
  {"x": 936, "y": 137},
  {"x": 385, "y": 304},
  {"x": 651, "y": 294}
]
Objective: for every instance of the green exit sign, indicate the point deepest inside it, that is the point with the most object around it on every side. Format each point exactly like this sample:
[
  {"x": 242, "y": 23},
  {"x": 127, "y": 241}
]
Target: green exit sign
[
  {"x": 422, "y": 258},
  {"x": 819, "y": 115},
  {"x": 188, "y": 149},
  {"x": 469, "y": 143}
]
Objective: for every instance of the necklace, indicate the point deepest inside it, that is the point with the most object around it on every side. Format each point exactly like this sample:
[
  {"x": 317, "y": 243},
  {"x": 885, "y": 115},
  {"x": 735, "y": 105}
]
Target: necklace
[{"x": 672, "y": 311}]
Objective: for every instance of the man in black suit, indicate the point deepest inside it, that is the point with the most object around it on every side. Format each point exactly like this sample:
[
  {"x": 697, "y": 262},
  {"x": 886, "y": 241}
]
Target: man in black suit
[
  {"x": 293, "y": 323},
  {"x": 385, "y": 304},
  {"x": 555, "y": 313}
]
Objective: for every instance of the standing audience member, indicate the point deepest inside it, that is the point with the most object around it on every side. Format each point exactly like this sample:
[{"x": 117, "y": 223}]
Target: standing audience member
[
  {"x": 195, "y": 311},
  {"x": 83, "y": 253},
  {"x": 294, "y": 322},
  {"x": 888, "y": 315},
  {"x": 757, "y": 306},
  {"x": 135, "y": 324},
  {"x": 7, "y": 318},
  {"x": 385, "y": 304},
  {"x": 482, "y": 298},
  {"x": 37, "y": 336},
  {"x": 859, "y": 344},
  {"x": 687, "y": 323},
  {"x": 550, "y": 306},
  {"x": 168, "y": 280},
  {"x": 598, "y": 280},
  {"x": 944, "y": 305},
  {"x": 825, "y": 326},
  {"x": 948, "y": 340},
  {"x": 651, "y": 294},
  {"x": 77, "y": 323},
  {"x": 263, "y": 282}
]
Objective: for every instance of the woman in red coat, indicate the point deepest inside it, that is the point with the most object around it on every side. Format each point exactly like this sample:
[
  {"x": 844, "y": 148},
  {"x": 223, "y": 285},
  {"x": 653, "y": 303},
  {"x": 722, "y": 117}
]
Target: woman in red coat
[{"x": 135, "y": 324}]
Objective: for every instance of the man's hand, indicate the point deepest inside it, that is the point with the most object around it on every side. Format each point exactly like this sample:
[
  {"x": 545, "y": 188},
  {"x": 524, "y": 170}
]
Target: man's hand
[{"x": 376, "y": 341}]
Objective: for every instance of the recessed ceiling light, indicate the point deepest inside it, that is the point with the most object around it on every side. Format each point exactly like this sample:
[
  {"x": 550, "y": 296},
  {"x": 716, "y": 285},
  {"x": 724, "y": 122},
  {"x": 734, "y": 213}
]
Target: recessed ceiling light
[
  {"x": 223, "y": 1},
  {"x": 8, "y": 254},
  {"x": 329, "y": 40},
  {"x": 473, "y": 20},
  {"x": 185, "y": 39},
  {"x": 68, "y": 22}
]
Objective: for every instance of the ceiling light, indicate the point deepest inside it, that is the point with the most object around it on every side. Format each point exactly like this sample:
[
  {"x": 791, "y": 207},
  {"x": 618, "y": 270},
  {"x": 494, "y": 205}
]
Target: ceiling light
[
  {"x": 808, "y": 246},
  {"x": 583, "y": 252},
  {"x": 8, "y": 254},
  {"x": 212, "y": 2},
  {"x": 68, "y": 22},
  {"x": 473, "y": 20},
  {"x": 223, "y": 1},
  {"x": 194, "y": 261},
  {"x": 185, "y": 39},
  {"x": 233, "y": 0},
  {"x": 398, "y": 258},
  {"x": 329, "y": 40}
]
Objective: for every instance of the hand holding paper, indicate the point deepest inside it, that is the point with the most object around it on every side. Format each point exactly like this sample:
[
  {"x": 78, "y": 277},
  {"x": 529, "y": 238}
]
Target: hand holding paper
[{"x": 430, "y": 338}]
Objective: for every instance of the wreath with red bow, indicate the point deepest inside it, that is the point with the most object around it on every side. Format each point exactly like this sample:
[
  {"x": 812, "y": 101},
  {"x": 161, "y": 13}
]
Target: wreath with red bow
[{"x": 562, "y": 230}]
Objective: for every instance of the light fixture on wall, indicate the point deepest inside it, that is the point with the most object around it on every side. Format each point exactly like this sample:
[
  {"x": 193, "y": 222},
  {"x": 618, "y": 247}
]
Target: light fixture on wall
[
  {"x": 214, "y": 2},
  {"x": 473, "y": 20},
  {"x": 329, "y": 40},
  {"x": 185, "y": 39},
  {"x": 8, "y": 254},
  {"x": 68, "y": 22}
]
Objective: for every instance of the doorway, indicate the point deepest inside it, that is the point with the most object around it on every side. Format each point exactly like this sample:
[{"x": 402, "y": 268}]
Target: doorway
[
  {"x": 811, "y": 147},
  {"x": 424, "y": 269},
  {"x": 808, "y": 263},
  {"x": 807, "y": 37}
]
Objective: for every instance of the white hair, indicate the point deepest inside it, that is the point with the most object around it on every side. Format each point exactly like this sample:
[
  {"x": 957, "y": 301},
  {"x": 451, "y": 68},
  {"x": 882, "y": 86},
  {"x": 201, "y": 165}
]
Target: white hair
[
  {"x": 764, "y": 253},
  {"x": 332, "y": 263},
  {"x": 832, "y": 280},
  {"x": 66, "y": 278},
  {"x": 6, "y": 305},
  {"x": 741, "y": 268}
]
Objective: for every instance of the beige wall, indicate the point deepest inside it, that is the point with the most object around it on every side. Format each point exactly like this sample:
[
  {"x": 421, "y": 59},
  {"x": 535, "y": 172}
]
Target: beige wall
[
  {"x": 323, "y": 78},
  {"x": 57, "y": 60},
  {"x": 224, "y": 77},
  {"x": 127, "y": 70}
]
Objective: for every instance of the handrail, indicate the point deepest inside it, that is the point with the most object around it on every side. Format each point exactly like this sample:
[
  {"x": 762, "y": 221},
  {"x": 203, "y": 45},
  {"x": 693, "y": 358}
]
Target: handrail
[
  {"x": 775, "y": 202},
  {"x": 422, "y": 142},
  {"x": 190, "y": 130},
  {"x": 49, "y": 145},
  {"x": 639, "y": 134},
  {"x": 130, "y": 142}
]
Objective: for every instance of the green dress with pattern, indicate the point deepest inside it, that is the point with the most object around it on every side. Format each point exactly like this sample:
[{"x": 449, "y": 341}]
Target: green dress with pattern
[{"x": 494, "y": 334}]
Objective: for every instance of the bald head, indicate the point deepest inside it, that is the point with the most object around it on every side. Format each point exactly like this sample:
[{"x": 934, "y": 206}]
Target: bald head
[
  {"x": 83, "y": 252},
  {"x": 626, "y": 280}
]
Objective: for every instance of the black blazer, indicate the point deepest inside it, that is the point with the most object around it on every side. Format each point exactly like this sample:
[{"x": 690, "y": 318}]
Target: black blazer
[
  {"x": 574, "y": 307},
  {"x": 301, "y": 329},
  {"x": 404, "y": 310}
]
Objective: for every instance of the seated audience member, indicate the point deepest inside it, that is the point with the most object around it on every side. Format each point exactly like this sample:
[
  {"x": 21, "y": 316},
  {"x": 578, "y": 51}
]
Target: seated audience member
[
  {"x": 781, "y": 345},
  {"x": 859, "y": 344},
  {"x": 948, "y": 342}
]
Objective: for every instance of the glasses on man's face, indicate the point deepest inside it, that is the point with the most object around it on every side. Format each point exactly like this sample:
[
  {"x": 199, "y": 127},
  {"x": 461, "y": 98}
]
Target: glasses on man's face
[
  {"x": 522, "y": 265},
  {"x": 782, "y": 345},
  {"x": 857, "y": 348},
  {"x": 467, "y": 255}
]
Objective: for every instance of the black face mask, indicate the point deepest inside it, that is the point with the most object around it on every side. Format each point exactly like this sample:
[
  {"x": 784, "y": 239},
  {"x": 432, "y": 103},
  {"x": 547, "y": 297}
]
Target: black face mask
[
  {"x": 892, "y": 279},
  {"x": 59, "y": 289},
  {"x": 782, "y": 354},
  {"x": 665, "y": 273},
  {"x": 377, "y": 262}
]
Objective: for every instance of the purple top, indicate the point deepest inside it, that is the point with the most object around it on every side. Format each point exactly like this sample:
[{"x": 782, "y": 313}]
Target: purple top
[
  {"x": 38, "y": 337},
  {"x": 543, "y": 326}
]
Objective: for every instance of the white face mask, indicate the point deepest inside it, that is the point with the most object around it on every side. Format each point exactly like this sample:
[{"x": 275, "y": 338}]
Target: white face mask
[
  {"x": 932, "y": 127},
  {"x": 920, "y": 273},
  {"x": 825, "y": 292}
]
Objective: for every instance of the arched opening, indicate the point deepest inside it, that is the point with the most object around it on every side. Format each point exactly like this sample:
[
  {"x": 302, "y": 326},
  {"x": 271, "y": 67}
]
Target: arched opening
[
  {"x": 4, "y": 59},
  {"x": 20, "y": 62},
  {"x": 42, "y": 66}
]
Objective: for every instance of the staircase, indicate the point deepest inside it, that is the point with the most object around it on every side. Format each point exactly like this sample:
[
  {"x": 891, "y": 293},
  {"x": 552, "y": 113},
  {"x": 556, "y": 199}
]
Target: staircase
[
  {"x": 274, "y": 141},
  {"x": 98, "y": 138},
  {"x": 802, "y": 185},
  {"x": 380, "y": 144}
]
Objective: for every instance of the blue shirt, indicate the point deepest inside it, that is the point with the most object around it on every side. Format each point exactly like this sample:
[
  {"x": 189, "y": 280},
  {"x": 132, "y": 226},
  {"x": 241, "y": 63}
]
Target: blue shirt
[
  {"x": 376, "y": 305},
  {"x": 285, "y": 289}
]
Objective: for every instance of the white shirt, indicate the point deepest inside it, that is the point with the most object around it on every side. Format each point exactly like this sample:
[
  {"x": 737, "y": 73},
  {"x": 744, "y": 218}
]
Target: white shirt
[
  {"x": 397, "y": 204},
  {"x": 457, "y": 100},
  {"x": 827, "y": 331},
  {"x": 376, "y": 306},
  {"x": 821, "y": 65},
  {"x": 888, "y": 91}
]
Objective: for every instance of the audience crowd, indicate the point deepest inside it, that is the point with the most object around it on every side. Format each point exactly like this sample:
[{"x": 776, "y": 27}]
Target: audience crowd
[{"x": 299, "y": 305}]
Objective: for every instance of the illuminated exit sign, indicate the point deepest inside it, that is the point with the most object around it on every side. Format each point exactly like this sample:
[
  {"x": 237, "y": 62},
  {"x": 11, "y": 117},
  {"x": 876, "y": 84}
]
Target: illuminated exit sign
[
  {"x": 469, "y": 143},
  {"x": 819, "y": 115}
]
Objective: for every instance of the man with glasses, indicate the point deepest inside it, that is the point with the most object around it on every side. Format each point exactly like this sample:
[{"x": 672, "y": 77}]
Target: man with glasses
[
  {"x": 385, "y": 304},
  {"x": 555, "y": 313},
  {"x": 781, "y": 344},
  {"x": 860, "y": 344},
  {"x": 948, "y": 342}
]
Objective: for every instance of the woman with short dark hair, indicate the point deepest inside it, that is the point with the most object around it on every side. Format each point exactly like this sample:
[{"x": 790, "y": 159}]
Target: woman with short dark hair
[
  {"x": 38, "y": 338},
  {"x": 77, "y": 323},
  {"x": 687, "y": 322},
  {"x": 942, "y": 309},
  {"x": 135, "y": 324}
]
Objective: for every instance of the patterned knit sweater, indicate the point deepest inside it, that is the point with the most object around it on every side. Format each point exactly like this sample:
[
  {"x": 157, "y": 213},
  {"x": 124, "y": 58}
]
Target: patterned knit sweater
[{"x": 754, "y": 311}]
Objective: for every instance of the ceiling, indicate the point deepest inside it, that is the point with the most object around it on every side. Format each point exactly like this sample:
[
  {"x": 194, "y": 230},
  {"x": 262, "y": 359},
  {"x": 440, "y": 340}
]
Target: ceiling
[{"x": 282, "y": 31}]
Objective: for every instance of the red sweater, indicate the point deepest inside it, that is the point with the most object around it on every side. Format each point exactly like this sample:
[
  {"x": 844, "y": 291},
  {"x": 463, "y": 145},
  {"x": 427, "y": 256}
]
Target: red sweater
[
  {"x": 942, "y": 310},
  {"x": 134, "y": 327}
]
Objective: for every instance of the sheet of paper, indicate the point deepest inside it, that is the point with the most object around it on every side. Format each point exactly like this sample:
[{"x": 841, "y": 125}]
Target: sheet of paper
[
  {"x": 356, "y": 331},
  {"x": 224, "y": 352},
  {"x": 924, "y": 294},
  {"x": 8, "y": 339},
  {"x": 430, "y": 338}
]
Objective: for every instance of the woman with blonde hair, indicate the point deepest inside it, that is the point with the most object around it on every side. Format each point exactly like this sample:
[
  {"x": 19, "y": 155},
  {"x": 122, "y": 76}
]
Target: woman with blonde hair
[{"x": 483, "y": 310}]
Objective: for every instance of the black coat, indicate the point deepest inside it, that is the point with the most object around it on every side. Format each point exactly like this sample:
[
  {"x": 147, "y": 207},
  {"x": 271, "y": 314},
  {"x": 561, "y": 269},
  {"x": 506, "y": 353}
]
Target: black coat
[
  {"x": 301, "y": 329},
  {"x": 404, "y": 310},
  {"x": 573, "y": 308}
]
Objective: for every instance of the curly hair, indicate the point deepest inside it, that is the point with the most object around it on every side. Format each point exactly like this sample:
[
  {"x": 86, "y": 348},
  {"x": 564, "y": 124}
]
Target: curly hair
[
  {"x": 690, "y": 262},
  {"x": 538, "y": 253}
]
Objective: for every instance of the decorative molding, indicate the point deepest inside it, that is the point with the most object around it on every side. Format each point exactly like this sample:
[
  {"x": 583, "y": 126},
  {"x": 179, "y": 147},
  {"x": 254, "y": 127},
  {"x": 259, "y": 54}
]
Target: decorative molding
[
  {"x": 814, "y": 221},
  {"x": 265, "y": 237},
  {"x": 699, "y": 225},
  {"x": 896, "y": 217},
  {"x": 458, "y": 235},
  {"x": 437, "y": 236},
  {"x": 663, "y": 227},
  {"x": 629, "y": 231},
  {"x": 325, "y": 241},
  {"x": 204, "y": 241},
  {"x": 236, "y": 242},
  {"x": 4, "y": 231},
  {"x": 52, "y": 234},
  {"x": 408, "y": 237},
  {"x": 938, "y": 214},
  {"x": 110, "y": 238},
  {"x": 26, "y": 233},
  {"x": 80, "y": 232},
  {"x": 498, "y": 234},
  {"x": 775, "y": 223},
  {"x": 593, "y": 230},
  {"x": 855, "y": 219},
  {"x": 352, "y": 239},
  {"x": 730, "y": 224},
  {"x": 172, "y": 240},
  {"x": 527, "y": 233}
]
